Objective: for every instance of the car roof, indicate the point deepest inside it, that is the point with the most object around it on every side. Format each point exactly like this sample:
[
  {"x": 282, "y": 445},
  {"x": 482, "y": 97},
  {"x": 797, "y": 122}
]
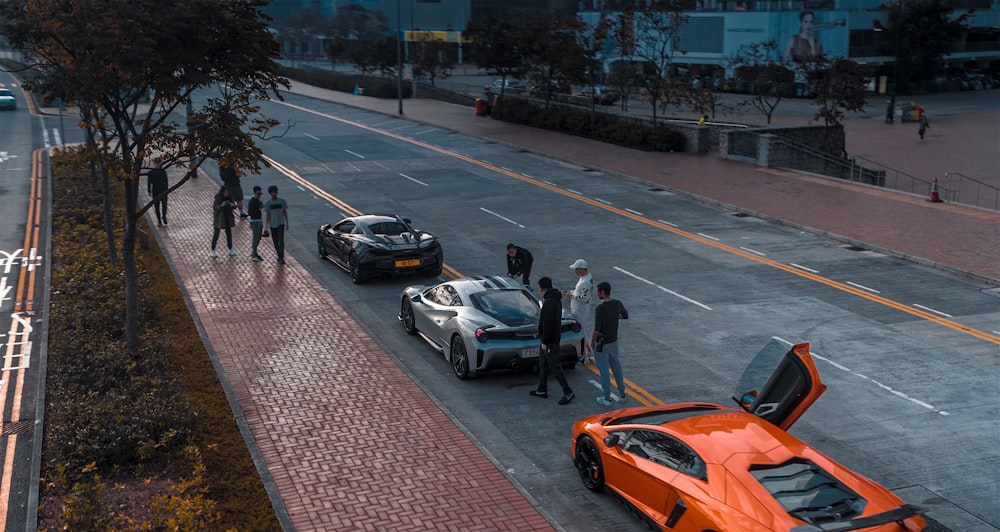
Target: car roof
[{"x": 474, "y": 285}]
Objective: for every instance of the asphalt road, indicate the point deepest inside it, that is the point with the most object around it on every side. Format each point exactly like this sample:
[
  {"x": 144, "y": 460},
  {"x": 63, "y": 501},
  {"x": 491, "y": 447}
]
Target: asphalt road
[{"x": 909, "y": 354}]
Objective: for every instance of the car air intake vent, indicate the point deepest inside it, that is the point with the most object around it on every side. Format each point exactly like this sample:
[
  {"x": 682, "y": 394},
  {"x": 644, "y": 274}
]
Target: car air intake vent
[{"x": 808, "y": 492}]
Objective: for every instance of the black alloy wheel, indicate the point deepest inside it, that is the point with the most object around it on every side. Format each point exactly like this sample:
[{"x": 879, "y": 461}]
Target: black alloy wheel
[
  {"x": 406, "y": 316},
  {"x": 588, "y": 464},
  {"x": 322, "y": 248},
  {"x": 459, "y": 358},
  {"x": 355, "y": 269}
]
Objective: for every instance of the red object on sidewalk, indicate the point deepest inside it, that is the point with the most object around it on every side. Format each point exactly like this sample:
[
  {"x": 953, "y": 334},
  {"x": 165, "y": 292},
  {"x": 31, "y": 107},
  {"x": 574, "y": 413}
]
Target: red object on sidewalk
[{"x": 935, "y": 198}]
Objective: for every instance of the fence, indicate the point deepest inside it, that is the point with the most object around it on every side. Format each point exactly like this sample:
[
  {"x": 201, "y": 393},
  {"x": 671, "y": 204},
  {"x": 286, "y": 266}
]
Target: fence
[{"x": 954, "y": 187}]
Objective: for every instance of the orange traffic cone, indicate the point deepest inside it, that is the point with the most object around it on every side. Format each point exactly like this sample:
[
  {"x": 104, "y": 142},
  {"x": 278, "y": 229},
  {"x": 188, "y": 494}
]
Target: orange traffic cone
[{"x": 935, "y": 198}]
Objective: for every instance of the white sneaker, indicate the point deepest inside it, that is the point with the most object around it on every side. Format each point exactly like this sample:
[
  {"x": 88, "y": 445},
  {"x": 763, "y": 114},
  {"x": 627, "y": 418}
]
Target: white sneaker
[
  {"x": 603, "y": 402},
  {"x": 232, "y": 252},
  {"x": 621, "y": 398},
  {"x": 213, "y": 254}
]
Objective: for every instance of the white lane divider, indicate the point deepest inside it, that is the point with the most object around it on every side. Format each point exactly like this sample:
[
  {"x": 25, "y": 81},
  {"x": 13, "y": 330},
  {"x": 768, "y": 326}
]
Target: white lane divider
[
  {"x": 578, "y": 193},
  {"x": 637, "y": 213},
  {"x": 710, "y": 237},
  {"x": 667, "y": 290},
  {"x": 863, "y": 287},
  {"x": 928, "y": 309},
  {"x": 885, "y": 387},
  {"x": 417, "y": 181},
  {"x": 754, "y": 251},
  {"x": 358, "y": 155},
  {"x": 606, "y": 202},
  {"x": 801, "y": 267},
  {"x": 667, "y": 223},
  {"x": 302, "y": 188},
  {"x": 504, "y": 218},
  {"x": 56, "y": 138},
  {"x": 311, "y": 136}
]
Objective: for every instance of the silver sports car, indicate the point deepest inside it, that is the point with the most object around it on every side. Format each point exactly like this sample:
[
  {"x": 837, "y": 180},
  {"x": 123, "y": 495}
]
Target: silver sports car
[{"x": 483, "y": 324}]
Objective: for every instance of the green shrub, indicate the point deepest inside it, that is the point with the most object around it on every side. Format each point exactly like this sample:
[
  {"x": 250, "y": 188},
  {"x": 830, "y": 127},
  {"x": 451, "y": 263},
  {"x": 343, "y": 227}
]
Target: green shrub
[{"x": 374, "y": 86}]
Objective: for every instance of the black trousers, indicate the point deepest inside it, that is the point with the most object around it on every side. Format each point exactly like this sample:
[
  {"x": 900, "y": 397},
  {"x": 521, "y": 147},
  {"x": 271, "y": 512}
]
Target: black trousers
[
  {"x": 160, "y": 208},
  {"x": 278, "y": 237},
  {"x": 549, "y": 362},
  {"x": 229, "y": 237}
]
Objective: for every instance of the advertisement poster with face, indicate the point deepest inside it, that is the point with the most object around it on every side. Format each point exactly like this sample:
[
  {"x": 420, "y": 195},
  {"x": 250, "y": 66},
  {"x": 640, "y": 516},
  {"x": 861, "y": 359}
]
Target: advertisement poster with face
[{"x": 809, "y": 34}]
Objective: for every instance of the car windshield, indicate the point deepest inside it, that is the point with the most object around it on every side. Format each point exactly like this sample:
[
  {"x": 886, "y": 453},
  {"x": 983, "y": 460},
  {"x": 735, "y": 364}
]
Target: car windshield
[
  {"x": 513, "y": 308},
  {"x": 5, "y": 92},
  {"x": 388, "y": 228}
]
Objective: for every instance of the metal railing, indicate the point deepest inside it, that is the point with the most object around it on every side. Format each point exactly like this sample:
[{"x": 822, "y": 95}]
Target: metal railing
[{"x": 971, "y": 191}]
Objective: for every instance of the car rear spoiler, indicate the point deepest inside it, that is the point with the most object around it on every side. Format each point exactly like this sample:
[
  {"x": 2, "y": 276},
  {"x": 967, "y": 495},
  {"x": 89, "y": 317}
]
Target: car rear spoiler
[{"x": 899, "y": 513}]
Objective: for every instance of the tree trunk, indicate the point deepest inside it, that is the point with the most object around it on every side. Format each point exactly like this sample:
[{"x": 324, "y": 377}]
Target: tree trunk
[
  {"x": 109, "y": 229},
  {"x": 131, "y": 271}
]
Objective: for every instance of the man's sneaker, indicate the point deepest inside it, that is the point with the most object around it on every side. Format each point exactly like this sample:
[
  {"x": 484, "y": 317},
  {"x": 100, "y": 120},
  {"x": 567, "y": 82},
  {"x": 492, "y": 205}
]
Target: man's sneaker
[
  {"x": 603, "y": 402},
  {"x": 213, "y": 254},
  {"x": 257, "y": 258},
  {"x": 164, "y": 221},
  {"x": 232, "y": 252},
  {"x": 536, "y": 393},
  {"x": 567, "y": 398},
  {"x": 621, "y": 398},
  {"x": 279, "y": 261},
  {"x": 159, "y": 224}
]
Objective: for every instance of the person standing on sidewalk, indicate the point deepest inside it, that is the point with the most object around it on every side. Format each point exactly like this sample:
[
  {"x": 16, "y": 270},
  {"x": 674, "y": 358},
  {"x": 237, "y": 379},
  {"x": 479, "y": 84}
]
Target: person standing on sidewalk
[
  {"x": 156, "y": 184},
  {"x": 224, "y": 220},
  {"x": 255, "y": 209},
  {"x": 605, "y": 340},
  {"x": 924, "y": 124},
  {"x": 549, "y": 331},
  {"x": 579, "y": 303},
  {"x": 232, "y": 180},
  {"x": 519, "y": 262},
  {"x": 276, "y": 210}
]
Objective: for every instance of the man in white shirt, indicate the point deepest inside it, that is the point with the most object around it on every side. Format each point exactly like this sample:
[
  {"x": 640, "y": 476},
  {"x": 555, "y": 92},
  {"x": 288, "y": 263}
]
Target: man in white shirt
[{"x": 580, "y": 304}]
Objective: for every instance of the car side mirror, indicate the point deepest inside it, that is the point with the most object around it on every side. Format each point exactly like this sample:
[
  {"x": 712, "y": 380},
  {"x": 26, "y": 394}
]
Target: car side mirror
[{"x": 612, "y": 440}]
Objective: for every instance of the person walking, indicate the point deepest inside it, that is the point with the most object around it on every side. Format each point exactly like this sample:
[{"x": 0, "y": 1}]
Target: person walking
[
  {"x": 519, "y": 262},
  {"x": 549, "y": 331},
  {"x": 924, "y": 125},
  {"x": 255, "y": 208},
  {"x": 232, "y": 180},
  {"x": 605, "y": 338},
  {"x": 157, "y": 184},
  {"x": 579, "y": 303},
  {"x": 276, "y": 210},
  {"x": 224, "y": 220}
]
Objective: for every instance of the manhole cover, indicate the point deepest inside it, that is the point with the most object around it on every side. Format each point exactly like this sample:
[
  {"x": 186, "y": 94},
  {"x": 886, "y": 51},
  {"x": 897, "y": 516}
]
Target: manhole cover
[{"x": 17, "y": 427}]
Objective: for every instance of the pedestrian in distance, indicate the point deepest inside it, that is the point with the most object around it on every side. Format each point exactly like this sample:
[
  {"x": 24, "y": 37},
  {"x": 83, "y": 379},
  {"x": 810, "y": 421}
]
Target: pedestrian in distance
[
  {"x": 890, "y": 110},
  {"x": 232, "y": 180},
  {"x": 224, "y": 220},
  {"x": 605, "y": 338},
  {"x": 519, "y": 262},
  {"x": 580, "y": 303},
  {"x": 276, "y": 212},
  {"x": 255, "y": 208},
  {"x": 924, "y": 125},
  {"x": 156, "y": 187},
  {"x": 549, "y": 331}
]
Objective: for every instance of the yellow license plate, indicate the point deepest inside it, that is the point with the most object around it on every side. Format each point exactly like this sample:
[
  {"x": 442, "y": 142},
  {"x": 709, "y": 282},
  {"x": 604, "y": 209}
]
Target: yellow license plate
[{"x": 407, "y": 263}]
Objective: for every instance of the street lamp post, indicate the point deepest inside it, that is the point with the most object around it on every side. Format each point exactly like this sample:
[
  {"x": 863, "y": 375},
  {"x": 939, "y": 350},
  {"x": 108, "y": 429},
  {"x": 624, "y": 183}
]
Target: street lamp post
[{"x": 399, "y": 57}]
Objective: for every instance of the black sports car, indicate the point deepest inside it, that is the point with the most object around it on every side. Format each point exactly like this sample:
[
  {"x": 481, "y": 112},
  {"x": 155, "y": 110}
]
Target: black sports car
[{"x": 379, "y": 244}]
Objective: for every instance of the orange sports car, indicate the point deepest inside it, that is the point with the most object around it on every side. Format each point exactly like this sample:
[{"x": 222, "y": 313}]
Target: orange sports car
[{"x": 698, "y": 467}]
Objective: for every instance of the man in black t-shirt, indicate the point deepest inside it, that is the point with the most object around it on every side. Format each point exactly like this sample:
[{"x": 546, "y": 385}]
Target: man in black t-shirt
[
  {"x": 605, "y": 342},
  {"x": 255, "y": 211}
]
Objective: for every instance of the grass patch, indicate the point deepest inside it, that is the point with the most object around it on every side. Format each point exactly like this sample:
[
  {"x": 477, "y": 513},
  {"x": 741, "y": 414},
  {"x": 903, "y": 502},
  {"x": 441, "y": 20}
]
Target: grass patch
[{"x": 144, "y": 442}]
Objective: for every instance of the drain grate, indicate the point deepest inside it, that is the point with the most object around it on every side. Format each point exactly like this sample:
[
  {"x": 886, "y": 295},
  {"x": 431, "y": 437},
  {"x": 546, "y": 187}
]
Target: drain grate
[
  {"x": 655, "y": 189},
  {"x": 855, "y": 248},
  {"x": 17, "y": 427},
  {"x": 741, "y": 215}
]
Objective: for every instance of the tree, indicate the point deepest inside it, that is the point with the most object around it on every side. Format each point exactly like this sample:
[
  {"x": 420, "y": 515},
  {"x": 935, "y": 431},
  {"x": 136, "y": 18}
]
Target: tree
[
  {"x": 592, "y": 40},
  {"x": 494, "y": 47},
  {"x": 657, "y": 25},
  {"x": 768, "y": 78},
  {"x": 622, "y": 74},
  {"x": 430, "y": 57},
  {"x": 924, "y": 31},
  {"x": 839, "y": 86},
  {"x": 132, "y": 63},
  {"x": 552, "y": 56},
  {"x": 357, "y": 36}
]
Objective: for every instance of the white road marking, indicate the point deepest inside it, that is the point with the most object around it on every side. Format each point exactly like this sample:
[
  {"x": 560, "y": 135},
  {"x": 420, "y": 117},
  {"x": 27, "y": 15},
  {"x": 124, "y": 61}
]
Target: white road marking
[
  {"x": 311, "y": 136},
  {"x": 889, "y": 389},
  {"x": 614, "y": 396},
  {"x": 424, "y": 131},
  {"x": 504, "y": 218},
  {"x": 606, "y": 202},
  {"x": 300, "y": 187},
  {"x": 417, "y": 181},
  {"x": 928, "y": 309},
  {"x": 505, "y": 168},
  {"x": 637, "y": 213},
  {"x": 574, "y": 192},
  {"x": 528, "y": 176},
  {"x": 863, "y": 287},
  {"x": 327, "y": 168},
  {"x": 543, "y": 181},
  {"x": 754, "y": 251},
  {"x": 801, "y": 267},
  {"x": 355, "y": 154},
  {"x": 710, "y": 237},
  {"x": 45, "y": 138},
  {"x": 56, "y": 138},
  {"x": 668, "y": 223},
  {"x": 667, "y": 290}
]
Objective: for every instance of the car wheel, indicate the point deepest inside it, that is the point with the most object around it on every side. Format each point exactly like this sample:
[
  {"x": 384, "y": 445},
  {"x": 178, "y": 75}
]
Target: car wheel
[
  {"x": 406, "y": 316},
  {"x": 588, "y": 464},
  {"x": 435, "y": 272},
  {"x": 355, "y": 269},
  {"x": 322, "y": 249},
  {"x": 459, "y": 358}
]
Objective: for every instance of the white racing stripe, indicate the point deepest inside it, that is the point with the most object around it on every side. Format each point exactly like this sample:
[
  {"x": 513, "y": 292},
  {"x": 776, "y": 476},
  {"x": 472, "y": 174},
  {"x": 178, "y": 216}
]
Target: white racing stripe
[
  {"x": 667, "y": 290},
  {"x": 504, "y": 218}
]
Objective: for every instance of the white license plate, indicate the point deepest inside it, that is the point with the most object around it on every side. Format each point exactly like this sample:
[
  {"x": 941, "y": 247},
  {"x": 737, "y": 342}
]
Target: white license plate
[{"x": 531, "y": 352}]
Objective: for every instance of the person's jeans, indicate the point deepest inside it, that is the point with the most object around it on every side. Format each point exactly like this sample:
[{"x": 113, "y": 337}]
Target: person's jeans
[
  {"x": 160, "y": 207},
  {"x": 256, "y": 229},
  {"x": 549, "y": 361},
  {"x": 278, "y": 236},
  {"x": 609, "y": 356},
  {"x": 229, "y": 237}
]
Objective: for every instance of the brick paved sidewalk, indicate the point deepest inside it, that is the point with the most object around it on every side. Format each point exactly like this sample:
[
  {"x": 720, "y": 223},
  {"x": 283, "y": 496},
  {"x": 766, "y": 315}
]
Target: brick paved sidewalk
[{"x": 351, "y": 442}]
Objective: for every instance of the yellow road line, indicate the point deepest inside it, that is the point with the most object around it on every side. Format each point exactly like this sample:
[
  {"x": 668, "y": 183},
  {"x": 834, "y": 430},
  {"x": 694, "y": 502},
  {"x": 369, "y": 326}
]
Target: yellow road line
[{"x": 679, "y": 232}]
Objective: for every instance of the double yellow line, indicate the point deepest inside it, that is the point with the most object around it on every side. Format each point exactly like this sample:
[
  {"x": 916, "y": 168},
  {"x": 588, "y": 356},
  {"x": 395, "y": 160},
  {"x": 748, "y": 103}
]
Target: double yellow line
[{"x": 18, "y": 346}]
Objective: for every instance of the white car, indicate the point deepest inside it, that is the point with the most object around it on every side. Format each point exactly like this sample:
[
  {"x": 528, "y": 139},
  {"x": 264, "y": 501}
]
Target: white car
[{"x": 7, "y": 99}]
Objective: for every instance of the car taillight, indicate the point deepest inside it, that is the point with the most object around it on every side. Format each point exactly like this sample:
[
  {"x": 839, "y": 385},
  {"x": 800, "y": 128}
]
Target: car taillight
[
  {"x": 481, "y": 335},
  {"x": 575, "y": 326}
]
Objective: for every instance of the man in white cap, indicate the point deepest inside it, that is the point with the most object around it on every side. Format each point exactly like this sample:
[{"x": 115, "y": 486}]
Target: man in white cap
[{"x": 579, "y": 304}]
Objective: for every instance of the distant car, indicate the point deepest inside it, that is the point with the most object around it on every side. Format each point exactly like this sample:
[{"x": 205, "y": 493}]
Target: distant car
[
  {"x": 7, "y": 99},
  {"x": 514, "y": 86},
  {"x": 376, "y": 244},
  {"x": 705, "y": 467},
  {"x": 601, "y": 95},
  {"x": 483, "y": 324}
]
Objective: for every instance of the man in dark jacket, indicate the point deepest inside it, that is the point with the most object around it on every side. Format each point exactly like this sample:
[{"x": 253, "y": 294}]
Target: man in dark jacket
[
  {"x": 519, "y": 263},
  {"x": 156, "y": 184},
  {"x": 549, "y": 330}
]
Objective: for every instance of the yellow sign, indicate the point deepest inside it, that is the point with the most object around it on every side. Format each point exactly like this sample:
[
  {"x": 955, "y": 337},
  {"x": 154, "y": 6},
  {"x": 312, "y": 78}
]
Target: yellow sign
[{"x": 444, "y": 36}]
